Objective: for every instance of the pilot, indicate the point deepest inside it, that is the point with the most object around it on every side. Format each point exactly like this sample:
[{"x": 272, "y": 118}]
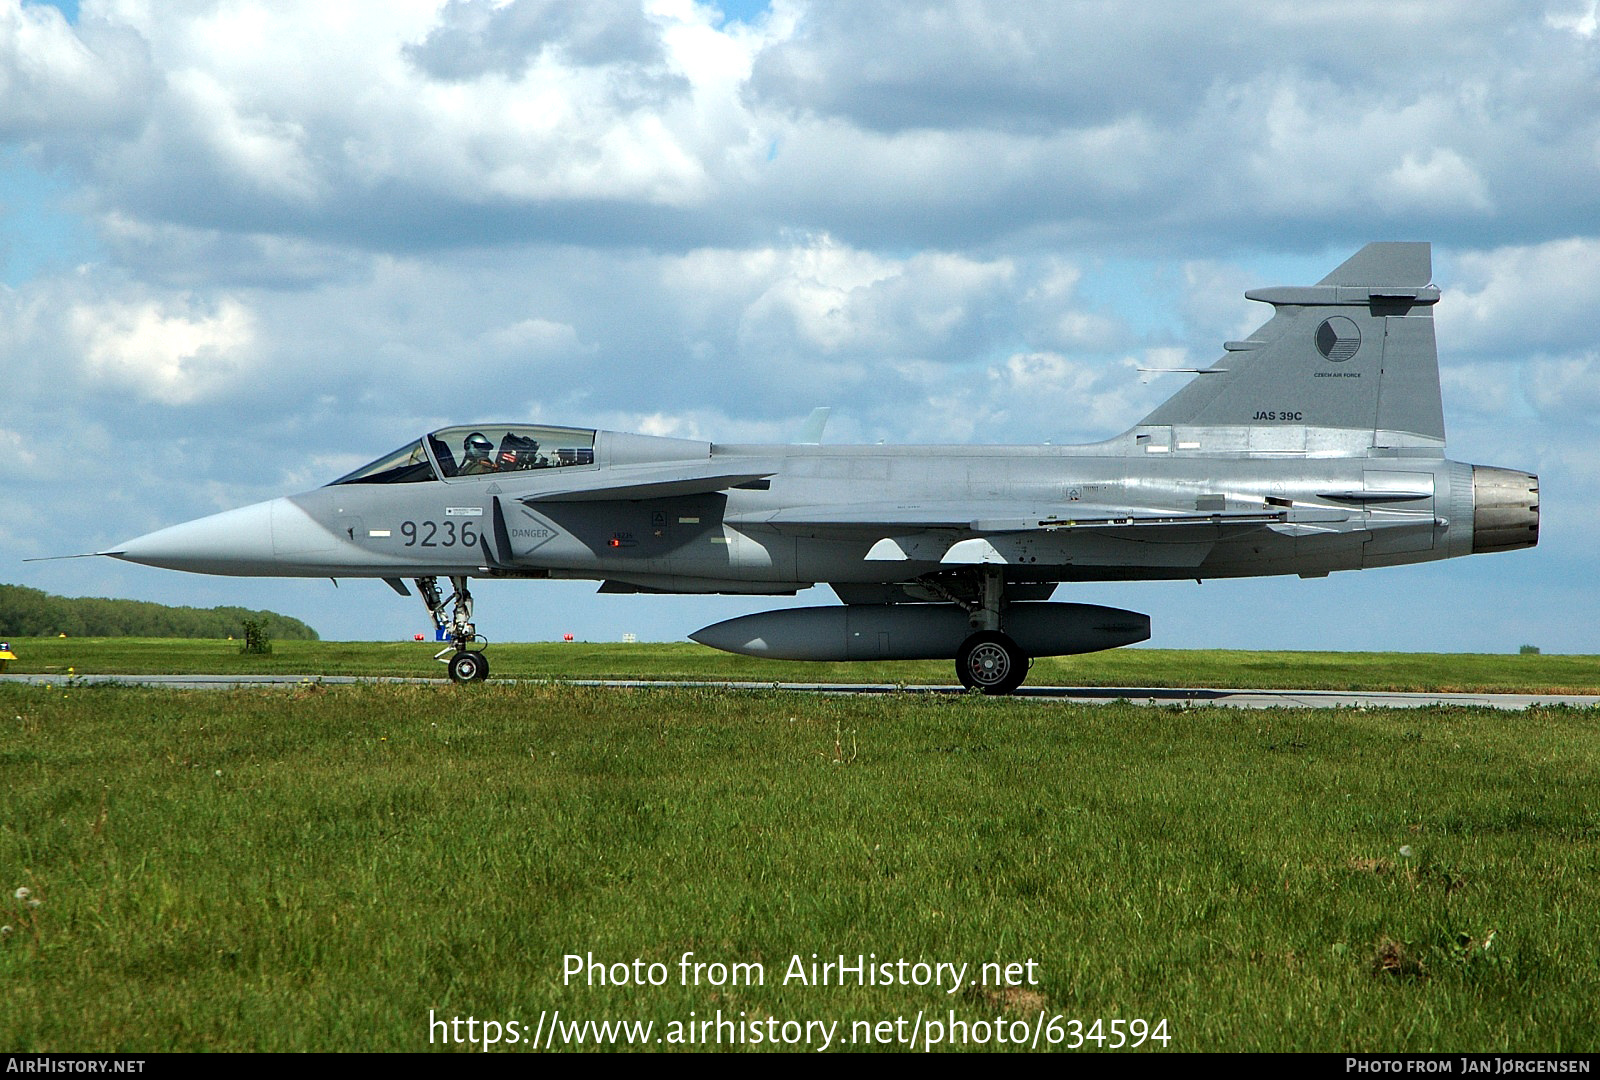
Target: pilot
[{"x": 477, "y": 455}]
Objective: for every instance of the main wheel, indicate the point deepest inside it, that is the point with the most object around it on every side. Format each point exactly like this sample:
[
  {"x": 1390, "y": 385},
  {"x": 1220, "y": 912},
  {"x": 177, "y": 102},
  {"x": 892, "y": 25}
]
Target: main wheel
[
  {"x": 469, "y": 667},
  {"x": 991, "y": 662}
]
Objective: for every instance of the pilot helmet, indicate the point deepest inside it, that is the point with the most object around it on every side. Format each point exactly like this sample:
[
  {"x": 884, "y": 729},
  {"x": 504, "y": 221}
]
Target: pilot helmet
[{"x": 478, "y": 447}]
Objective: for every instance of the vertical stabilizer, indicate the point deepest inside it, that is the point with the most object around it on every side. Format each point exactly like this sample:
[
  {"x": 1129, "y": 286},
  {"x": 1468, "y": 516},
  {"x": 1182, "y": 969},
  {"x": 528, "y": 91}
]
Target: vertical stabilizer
[
  {"x": 810, "y": 434},
  {"x": 1353, "y": 353}
]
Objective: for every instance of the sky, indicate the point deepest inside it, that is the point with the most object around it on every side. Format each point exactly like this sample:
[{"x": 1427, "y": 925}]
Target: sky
[{"x": 248, "y": 246}]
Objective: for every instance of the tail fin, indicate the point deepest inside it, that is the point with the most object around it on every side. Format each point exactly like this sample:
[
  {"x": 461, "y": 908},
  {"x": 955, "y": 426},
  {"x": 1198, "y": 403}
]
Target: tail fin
[
  {"x": 1353, "y": 353},
  {"x": 810, "y": 434}
]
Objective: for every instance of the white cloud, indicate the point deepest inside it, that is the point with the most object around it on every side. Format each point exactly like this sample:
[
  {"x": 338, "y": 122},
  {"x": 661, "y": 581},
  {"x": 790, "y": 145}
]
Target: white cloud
[
  {"x": 184, "y": 257},
  {"x": 1047, "y": 396},
  {"x": 358, "y": 108},
  {"x": 661, "y": 424},
  {"x": 1443, "y": 177},
  {"x": 1512, "y": 299},
  {"x": 1579, "y": 18},
  {"x": 830, "y": 299},
  {"x": 164, "y": 351},
  {"x": 56, "y": 83},
  {"x": 436, "y": 123},
  {"x": 1484, "y": 388},
  {"x": 16, "y": 458},
  {"x": 533, "y": 339},
  {"x": 1567, "y": 386},
  {"x": 250, "y": 148},
  {"x": 1213, "y": 302}
]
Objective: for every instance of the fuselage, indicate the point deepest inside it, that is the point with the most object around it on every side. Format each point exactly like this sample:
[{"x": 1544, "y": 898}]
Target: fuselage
[{"x": 1150, "y": 504}]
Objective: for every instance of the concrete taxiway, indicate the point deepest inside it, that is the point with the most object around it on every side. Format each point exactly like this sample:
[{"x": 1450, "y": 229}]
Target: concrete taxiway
[{"x": 1136, "y": 695}]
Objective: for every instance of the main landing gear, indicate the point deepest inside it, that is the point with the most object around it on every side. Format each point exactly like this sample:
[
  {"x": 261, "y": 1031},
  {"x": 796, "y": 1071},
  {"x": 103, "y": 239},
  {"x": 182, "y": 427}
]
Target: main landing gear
[
  {"x": 989, "y": 660},
  {"x": 465, "y": 663}
]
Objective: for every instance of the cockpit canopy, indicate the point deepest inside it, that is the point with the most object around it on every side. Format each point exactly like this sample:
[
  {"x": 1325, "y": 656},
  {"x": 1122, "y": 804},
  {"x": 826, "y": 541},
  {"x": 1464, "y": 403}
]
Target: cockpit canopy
[{"x": 458, "y": 453}]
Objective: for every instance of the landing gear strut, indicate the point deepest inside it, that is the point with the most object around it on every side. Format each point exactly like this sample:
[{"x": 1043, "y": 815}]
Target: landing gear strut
[
  {"x": 989, "y": 660},
  {"x": 465, "y": 663}
]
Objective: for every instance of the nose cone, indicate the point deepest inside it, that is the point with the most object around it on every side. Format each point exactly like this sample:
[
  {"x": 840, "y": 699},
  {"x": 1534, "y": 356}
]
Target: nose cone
[{"x": 234, "y": 542}]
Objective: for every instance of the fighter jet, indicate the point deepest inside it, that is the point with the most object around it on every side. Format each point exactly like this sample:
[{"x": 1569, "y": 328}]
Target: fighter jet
[{"x": 1315, "y": 444}]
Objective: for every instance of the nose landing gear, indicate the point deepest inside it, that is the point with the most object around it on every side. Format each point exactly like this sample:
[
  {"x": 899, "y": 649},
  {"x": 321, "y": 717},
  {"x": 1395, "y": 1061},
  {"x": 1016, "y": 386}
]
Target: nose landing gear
[{"x": 465, "y": 663}]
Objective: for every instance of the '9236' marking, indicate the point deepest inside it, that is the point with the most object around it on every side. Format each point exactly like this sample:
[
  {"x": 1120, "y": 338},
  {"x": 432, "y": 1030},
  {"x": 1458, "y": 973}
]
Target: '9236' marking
[
  {"x": 1283, "y": 415},
  {"x": 439, "y": 533}
]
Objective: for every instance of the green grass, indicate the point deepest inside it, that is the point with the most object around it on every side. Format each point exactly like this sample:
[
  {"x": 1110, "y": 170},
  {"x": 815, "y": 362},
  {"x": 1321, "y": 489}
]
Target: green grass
[
  {"x": 318, "y": 868},
  {"x": 1422, "y": 672}
]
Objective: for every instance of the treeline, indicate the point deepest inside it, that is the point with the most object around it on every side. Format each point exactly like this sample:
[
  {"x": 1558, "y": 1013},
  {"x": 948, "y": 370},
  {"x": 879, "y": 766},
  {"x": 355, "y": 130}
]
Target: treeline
[{"x": 26, "y": 612}]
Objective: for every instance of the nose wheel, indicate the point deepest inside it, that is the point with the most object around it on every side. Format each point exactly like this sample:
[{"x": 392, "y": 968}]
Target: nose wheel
[
  {"x": 464, "y": 662},
  {"x": 469, "y": 666}
]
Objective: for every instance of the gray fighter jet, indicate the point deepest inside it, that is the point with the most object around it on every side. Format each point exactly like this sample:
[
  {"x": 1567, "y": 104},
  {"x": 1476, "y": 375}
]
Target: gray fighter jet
[{"x": 1315, "y": 444}]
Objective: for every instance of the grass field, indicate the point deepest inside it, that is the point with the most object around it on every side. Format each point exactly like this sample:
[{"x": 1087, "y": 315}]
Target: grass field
[
  {"x": 1423, "y": 672},
  {"x": 318, "y": 868}
]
